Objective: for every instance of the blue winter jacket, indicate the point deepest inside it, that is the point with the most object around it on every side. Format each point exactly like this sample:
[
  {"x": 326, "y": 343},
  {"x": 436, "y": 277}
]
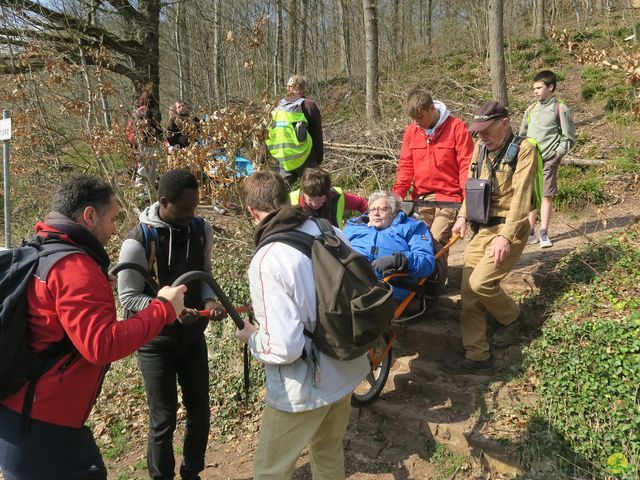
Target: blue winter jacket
[{"x": 405, "y": 235}]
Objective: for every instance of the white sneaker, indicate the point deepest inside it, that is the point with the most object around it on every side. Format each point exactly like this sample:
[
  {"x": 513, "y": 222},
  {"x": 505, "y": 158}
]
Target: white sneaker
[
  {"x": 545, "y": 241},
  {"x": 532, "y": 239}
]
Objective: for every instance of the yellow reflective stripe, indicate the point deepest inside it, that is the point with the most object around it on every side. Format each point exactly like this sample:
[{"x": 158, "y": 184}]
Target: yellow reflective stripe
[
  {"x": 340, "y": 208},
  {"x": 294, "y": 197}
]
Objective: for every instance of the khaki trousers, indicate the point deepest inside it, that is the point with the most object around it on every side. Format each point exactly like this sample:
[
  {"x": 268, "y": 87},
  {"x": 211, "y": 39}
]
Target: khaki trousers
[
  {"x": 283, "y": 435},
  {"x": 439, "y": 220},
  {"x": 481, "y": 291}
]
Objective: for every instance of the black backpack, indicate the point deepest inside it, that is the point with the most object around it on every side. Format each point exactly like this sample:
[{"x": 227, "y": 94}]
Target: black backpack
[
  {"x": 18, "y": 364},
  {"x": 353, "y": 307}
]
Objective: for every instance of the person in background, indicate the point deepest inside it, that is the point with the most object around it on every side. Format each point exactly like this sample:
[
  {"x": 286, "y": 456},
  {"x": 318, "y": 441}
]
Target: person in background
[
  {"x": 295, "y": 109},
  {"x": 320, "y": 199},
  {"x": 549, "y": 122},
  {"x": 144, "y": 133},
  {"x": 70, "y": 303},
  {"x": 182, "y": 126}
]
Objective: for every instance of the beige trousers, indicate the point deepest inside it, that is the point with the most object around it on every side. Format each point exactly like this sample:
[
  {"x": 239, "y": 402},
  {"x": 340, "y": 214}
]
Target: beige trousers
[
  {"x": 439, "y": 220},
  {"x": 283, "y": 435},
  {"x": 481, "y": 291}
]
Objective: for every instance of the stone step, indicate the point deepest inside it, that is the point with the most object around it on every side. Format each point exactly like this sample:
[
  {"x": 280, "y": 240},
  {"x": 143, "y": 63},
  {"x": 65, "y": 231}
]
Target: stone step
[
  {"x": 387, "y": 421},
  {"x": 430, "y": 338}
]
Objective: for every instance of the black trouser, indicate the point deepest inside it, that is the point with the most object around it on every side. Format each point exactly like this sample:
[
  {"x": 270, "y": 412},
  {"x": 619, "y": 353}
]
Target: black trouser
[
  {"x": 49, "y": 451},
  {"x": 161, "y": 360}
]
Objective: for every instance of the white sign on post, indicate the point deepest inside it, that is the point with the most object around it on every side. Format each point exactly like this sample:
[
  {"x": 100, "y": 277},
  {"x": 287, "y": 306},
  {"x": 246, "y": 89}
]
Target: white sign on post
[{"x": 5, "y": 129}]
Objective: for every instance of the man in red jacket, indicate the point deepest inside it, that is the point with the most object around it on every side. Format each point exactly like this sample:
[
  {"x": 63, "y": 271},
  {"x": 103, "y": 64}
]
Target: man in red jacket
[
  {"x": 434, "y": 161},
  {"x": 70, "y": 300}
]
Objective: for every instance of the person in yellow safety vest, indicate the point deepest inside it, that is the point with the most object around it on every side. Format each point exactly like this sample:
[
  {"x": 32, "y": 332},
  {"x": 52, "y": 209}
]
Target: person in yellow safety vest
[
  {"x": 320, "y": 200},
  {"x": 295, "y": 134}
]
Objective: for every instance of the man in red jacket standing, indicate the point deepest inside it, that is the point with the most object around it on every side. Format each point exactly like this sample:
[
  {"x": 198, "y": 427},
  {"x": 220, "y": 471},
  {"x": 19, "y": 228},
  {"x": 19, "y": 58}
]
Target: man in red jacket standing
[
  {"x": 71, "y": 309},
  {"x": 434, "y": 161}
]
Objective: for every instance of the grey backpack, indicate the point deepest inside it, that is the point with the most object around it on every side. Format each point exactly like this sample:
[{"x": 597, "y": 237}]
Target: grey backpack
[{"x": 354, "y": 308}]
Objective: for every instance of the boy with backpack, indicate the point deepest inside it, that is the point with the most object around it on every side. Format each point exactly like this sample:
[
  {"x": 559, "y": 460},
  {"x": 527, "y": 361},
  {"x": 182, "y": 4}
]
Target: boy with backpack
[
  {"x": 170, "y": 241},
  {"x": 549, "y": 122},
  {"x": 68, "y": 318},
  {"x": 308, "y": 391}
]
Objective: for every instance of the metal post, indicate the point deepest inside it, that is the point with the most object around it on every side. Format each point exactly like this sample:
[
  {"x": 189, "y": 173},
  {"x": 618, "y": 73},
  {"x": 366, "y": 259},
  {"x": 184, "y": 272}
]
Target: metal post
[{"x": 7, "y": 198}]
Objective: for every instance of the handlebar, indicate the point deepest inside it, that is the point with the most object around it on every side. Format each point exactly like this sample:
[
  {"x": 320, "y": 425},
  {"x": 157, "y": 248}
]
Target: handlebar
[
  {"x": 185, "y": 278},
  {"x": 197, "y": 275},
  {"x": 148, "y": 279}
]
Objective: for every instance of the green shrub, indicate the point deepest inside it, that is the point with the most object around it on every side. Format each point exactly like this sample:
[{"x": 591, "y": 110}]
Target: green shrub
[
  {"x": 577, "y": 188},
  {"x": 551, "y": 60},
  {"x": 587, "y": 361},
  {"x": 592, "y": 90},
  {"x": 592, "y": 74},
  {"x": 619, "y": 98},
  {"x": 629, "y": 162}
]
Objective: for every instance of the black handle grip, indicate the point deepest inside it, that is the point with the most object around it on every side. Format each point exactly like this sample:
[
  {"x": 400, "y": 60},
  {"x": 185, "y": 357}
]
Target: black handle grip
[
  {"x": 197, "y": 275},
  {"x": 151, "y": 283}
]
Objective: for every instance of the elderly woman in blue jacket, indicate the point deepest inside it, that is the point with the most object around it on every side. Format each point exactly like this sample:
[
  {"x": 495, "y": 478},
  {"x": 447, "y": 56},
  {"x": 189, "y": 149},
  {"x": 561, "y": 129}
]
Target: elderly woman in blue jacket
[{"x": 392, "y": 241}]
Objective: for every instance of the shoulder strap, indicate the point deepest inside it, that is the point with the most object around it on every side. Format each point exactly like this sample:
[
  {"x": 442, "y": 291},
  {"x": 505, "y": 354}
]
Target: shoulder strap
[
  {"x": 324, "y": 225},
  {"x": 197, "y": 223},
  {"x": 558, "y": 102},
  {"x": 294, "y": 238},
  {"x": 151, "y": 244}
]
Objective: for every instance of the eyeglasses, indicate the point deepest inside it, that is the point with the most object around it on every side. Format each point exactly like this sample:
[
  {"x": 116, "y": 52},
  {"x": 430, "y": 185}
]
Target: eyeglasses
[{"x": 379, "y": 209}]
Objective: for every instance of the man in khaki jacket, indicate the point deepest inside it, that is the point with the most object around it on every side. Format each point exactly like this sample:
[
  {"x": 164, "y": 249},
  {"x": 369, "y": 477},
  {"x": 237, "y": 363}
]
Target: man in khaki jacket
[{"x": 497, "y": 244}]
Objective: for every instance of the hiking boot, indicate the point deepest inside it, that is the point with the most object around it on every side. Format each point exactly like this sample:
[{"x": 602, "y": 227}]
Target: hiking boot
[
  {"x": 466, "y": 366},
  {"x": 508, "y": 334},
  {"x": 545, "y": 241}
]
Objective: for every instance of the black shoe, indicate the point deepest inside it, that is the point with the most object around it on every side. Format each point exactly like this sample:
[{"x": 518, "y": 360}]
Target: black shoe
[
  {"x": 508, "y": 334},
  {"x": 465, "y": 366}
]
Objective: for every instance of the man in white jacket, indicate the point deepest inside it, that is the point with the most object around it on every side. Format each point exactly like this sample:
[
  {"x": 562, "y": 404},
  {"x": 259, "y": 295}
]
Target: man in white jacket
[{"x": 304, "y": 405}]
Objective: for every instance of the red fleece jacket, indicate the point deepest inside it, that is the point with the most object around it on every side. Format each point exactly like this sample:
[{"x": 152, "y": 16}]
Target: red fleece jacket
[
  {"x": 76, "y": 300},
  {"x": 435, "y": 164}
]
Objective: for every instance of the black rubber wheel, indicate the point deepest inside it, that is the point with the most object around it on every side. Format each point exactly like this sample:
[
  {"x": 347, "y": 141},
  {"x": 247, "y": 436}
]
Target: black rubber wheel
[{"x": 373, "y": 384}]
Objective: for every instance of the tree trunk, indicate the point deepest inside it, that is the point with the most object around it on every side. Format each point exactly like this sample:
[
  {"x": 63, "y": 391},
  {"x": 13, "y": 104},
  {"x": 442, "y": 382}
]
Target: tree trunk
[
  {"x": 291, "y": 36},
  {"x": 371, "y": 57},
  {"x": 217, "y": 52},
  {"x": 576, "y": 9},
  {"x": 278, "y": 78},
  {"x": 179, "y": 53},
  {"x": 302, "y": 36},
  {"x": 428, "y": 22},
  {"x": 345, "y": 46},
  {"x": 394, "y": 37},
  {"x": 540, "y": 19},
  {"x": 496, "y": 52}
]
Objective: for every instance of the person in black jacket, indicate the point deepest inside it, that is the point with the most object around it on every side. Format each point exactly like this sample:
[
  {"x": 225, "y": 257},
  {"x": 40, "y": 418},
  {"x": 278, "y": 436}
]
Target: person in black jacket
[
  {"x": 170, "y": 240},
  {"x": 181, "y": 127}
]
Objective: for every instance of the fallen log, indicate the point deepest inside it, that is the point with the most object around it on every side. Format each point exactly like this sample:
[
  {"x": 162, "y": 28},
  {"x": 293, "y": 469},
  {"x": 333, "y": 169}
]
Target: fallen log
[{"x": 582, "y": 162}]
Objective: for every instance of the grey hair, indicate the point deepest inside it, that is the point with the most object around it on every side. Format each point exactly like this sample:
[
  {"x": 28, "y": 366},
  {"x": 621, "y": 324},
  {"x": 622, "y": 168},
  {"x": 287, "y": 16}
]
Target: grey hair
[
  {"x": 298, "y": 82},
  {"x": 392, "y": 199}
]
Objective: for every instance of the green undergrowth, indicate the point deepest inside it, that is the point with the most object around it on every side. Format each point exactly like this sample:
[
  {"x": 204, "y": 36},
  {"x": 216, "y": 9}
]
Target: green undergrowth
[
  {"x": 578, "y": 187},
  {"x": 586, "y": 363}
]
